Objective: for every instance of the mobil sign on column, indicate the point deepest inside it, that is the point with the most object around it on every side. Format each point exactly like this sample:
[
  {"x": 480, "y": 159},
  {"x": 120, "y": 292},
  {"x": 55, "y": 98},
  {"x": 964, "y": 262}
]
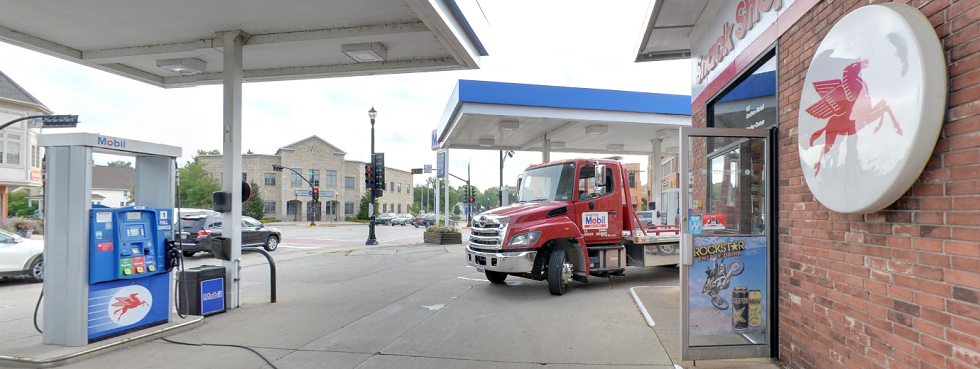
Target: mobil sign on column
[{"x": 128, "y": 279}]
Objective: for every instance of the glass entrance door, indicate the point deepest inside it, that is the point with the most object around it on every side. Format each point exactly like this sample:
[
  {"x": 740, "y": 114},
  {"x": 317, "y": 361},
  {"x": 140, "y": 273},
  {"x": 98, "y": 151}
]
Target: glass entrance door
[{"x": 725, "y": 243}]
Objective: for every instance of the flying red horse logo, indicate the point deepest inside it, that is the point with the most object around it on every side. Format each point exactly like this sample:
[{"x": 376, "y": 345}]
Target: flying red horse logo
[
  {"x": 848, "y": 105},
  {"x": 126, "y": 303}
]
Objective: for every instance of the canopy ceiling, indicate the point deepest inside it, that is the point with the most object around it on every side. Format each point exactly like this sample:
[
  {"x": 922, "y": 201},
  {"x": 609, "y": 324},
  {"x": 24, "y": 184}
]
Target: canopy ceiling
[{"x": 289, "y": 39}]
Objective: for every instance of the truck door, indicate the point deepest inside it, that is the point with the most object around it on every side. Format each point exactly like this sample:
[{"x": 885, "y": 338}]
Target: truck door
[{"x": 598, "y": 208}]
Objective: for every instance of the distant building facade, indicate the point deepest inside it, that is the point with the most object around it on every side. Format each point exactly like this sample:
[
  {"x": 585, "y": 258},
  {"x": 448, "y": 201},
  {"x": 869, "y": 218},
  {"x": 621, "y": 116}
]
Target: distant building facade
[
  {"x": 341, "y": 182},
  {"x": 20, "y": 156},
  {"x": 111, "y": 186}
]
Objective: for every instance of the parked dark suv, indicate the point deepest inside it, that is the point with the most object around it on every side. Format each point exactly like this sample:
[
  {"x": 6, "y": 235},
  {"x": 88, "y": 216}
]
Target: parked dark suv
[{"x": 198, "y": 230}]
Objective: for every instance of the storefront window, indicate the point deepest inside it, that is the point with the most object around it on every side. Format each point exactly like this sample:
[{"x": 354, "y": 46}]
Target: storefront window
[{"x": 749, "y": 104}]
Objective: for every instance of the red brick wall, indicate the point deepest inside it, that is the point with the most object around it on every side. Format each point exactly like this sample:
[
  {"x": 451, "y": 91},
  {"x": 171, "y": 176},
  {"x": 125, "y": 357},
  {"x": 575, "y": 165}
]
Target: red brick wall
[{"x": 899, "y": 288}]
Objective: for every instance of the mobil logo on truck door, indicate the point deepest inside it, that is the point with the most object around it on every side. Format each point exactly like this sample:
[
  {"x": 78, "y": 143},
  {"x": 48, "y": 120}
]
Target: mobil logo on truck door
[{"x": 595, "y": 221}]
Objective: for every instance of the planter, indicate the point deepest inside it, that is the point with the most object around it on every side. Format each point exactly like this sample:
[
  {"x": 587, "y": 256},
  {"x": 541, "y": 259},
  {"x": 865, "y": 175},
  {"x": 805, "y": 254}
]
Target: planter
[{"x": 442, "y": 238}]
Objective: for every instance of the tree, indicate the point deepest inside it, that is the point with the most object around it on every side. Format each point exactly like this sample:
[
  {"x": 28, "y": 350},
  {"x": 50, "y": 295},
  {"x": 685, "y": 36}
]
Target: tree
[
  {"x": 120, "y": 164},
  {"x": 255, "y": 206},
  {"x": 206, "y": 152},
  {"x": 131, "y": 198},
  {"x": 17, "y": 205},
  {"x": 365, "y": 200},
  {"x": 196, "y": 184}
]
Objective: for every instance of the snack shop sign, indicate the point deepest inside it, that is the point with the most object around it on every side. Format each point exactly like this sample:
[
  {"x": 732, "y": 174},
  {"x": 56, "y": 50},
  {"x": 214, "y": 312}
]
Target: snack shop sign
[{"x": 738, "y": 24}]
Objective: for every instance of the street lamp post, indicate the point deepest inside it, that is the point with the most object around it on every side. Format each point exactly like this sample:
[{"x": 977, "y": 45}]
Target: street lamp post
[{"x": 371, "y": 239}]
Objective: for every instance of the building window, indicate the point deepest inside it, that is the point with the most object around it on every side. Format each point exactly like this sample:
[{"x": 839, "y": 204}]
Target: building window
[
  {"x": 244, "y": 177},
  {"x": 296, "y": 180},
  {"x": 349, "y": 182},
  {"x": 10, "y": 145},
  {"x": 270, "y": 207},
  {"x": 399, "y": 208},
  {"x": 122, "y": 203},
  {"x": 331, "y": 178},
  {"x": 348, "y": 208},
  {"x": 35, "y": 155},
  {"x": 315, "y": 177},
  {"x": 391, "y": 186},
  {"x": 384, "y": 207},
  {"x": 126, "y": 193},
  {"x": 632, "y": 179},
  {"x": 291, "y": 207},
  {"x": 399, "y": 190},
  {"x": 270, "y": 179}
]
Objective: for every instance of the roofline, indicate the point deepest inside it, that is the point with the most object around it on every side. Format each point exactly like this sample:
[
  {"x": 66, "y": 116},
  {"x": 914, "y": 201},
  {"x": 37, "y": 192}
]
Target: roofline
[{"x": 24, "y": 91}]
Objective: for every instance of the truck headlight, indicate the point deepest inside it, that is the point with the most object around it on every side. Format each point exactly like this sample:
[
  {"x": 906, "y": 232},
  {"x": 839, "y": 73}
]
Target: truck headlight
[{"x": 524, "y": 239}]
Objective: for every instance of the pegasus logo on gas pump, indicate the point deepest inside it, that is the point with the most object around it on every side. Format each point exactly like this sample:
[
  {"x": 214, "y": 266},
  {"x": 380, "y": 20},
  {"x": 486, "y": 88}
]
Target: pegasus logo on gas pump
[
  {"x": 847, "y": 104},
  {"x": 126, "y": 303}
]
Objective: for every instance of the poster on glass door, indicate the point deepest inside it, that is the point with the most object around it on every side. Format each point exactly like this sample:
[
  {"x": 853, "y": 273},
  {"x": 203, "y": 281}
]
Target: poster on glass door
[{"x": 727, "y": 285}]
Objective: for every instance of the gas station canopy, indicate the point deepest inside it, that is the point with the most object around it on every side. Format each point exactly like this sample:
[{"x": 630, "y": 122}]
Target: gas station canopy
[
  {"x": 673, "y": 27},
  {"x": 509, "y": 116},
  {"x": 175, "y": 43}
]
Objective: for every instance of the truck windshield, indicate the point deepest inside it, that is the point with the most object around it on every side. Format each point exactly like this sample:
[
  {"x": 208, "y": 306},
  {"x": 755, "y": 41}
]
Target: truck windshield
[{"x": 553, "y": 182}]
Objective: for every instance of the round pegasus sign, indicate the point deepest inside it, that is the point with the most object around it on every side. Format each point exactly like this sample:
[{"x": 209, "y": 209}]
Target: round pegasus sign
[{"x": 872, "y": 107}]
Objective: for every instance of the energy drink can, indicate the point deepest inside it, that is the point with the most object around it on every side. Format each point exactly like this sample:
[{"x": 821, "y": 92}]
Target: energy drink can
[
  {"x": 740, "y": 308},
  {"x": 755, "y": 308}
]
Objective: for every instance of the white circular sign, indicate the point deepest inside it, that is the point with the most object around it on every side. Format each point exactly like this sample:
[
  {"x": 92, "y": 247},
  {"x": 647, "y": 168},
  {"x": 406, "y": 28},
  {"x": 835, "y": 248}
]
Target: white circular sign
[
  {"x": 872, "y": 107},
  {"x": 130, "y": 304}
]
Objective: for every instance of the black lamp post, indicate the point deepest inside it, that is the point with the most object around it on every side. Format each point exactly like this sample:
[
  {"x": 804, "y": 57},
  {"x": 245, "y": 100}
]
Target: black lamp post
[{"x": 371, "y": 240}]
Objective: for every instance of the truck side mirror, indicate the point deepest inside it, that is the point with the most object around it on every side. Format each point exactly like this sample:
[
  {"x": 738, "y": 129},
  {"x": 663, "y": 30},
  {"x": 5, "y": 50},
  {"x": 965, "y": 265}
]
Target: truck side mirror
[{"x": 600, "y": 179}]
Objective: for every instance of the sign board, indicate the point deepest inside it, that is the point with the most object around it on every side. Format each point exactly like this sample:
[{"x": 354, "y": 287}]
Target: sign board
[
  {"x": 327, "y": 194},
  {"x": 441, "y": 164},
  {"x": 427, "y": 169},
  {"x": 871, "y": 108},
  {"x": 435, "y": 140},
  {"x": 303, "y": 192},
  {"x": 694, "y": 224}
]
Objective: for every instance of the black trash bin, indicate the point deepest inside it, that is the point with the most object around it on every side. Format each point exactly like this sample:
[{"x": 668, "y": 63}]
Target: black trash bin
[{"x": 205, "y": 290}]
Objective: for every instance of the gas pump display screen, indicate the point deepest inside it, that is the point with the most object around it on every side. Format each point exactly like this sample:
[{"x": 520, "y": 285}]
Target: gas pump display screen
[
  {"x": 134, "y": 215},
  {"x": 136, "y": 231}
]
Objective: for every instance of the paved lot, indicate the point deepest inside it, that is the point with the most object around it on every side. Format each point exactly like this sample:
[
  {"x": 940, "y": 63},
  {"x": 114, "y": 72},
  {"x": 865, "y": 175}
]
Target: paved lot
[{"x": 401, "y": 304}]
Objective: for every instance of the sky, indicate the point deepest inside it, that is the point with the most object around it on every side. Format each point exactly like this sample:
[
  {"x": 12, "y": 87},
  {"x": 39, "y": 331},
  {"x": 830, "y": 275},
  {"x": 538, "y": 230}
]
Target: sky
[{"x": 562, "y": 43}]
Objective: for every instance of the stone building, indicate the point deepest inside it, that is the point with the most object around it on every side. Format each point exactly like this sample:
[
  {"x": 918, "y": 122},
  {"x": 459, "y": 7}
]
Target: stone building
[{"x": 341, "y": 182}]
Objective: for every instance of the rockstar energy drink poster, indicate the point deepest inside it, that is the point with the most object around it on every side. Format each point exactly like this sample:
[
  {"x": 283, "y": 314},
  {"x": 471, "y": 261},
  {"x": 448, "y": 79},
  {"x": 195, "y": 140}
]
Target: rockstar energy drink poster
[{"x": 727, "y": 285}]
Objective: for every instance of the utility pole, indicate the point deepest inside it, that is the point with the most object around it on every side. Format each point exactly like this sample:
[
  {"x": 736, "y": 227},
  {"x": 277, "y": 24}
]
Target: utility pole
[{"x": 371, "y": 239}]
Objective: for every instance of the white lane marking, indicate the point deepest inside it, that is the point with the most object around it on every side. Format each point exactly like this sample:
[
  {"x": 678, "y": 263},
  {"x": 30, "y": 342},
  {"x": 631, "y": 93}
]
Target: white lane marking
[
  {"x": 300, "y": 247},
  {"x": 435, "y": 307},
  {"x": 639, "y": 304},
  {"x": 472, "y": 279}
]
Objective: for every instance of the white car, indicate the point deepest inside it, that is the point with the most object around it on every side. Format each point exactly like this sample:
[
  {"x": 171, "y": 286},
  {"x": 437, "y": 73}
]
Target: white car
[{"x": 21, "y": 256}]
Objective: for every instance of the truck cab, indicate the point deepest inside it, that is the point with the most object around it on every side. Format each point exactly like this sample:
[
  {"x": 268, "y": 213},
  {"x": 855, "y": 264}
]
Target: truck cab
[{"x": 567, "y": 224}]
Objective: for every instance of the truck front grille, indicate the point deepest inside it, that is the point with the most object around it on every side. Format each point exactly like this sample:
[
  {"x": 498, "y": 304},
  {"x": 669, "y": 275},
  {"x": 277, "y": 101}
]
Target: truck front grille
[{"x": 488, "y": 232}]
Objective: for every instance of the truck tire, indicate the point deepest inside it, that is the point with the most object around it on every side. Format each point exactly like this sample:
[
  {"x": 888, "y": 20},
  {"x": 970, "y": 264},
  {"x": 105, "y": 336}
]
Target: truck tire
[
  {"x": 496, "y": 277},
  {"x": 559, "y": 272}
]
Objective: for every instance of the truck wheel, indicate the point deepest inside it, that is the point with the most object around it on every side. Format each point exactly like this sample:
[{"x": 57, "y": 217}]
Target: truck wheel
[
  {"x": 559, "y": 272},
  {"x": 667, "y": 248},
  {"x": 496, "y": 277}
]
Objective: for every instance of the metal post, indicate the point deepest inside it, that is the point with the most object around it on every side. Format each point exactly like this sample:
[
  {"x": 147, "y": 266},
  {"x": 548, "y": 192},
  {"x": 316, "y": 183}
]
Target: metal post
[
  {"x": 500, "y": 192},
  {"x": 313, "y": 204},
  {"x": 469, "y": 205},
  {"x": 371, "y": 239},
  {"x": 231, "y": 181},
  {"x": 295, "y": 206}
]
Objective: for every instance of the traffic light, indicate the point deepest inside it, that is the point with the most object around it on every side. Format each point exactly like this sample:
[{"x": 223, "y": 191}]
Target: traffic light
[
  {"x": 471, "y": 199},
  {"x": 417, "y": 170},
  {"x": 368, "y": 176},
  {"x": 277, "y": 168},
  {"x": 316, "y": 195},
  {"x": 379, "y": 170}
]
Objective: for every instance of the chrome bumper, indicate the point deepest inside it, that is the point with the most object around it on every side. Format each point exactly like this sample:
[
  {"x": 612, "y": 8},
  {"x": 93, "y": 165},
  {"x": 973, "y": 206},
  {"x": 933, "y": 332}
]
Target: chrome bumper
[{"x": 504, "y": 262}]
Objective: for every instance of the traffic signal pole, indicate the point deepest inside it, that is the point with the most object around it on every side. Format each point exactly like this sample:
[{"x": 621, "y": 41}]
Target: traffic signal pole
[{"x": 314, "y": 192}]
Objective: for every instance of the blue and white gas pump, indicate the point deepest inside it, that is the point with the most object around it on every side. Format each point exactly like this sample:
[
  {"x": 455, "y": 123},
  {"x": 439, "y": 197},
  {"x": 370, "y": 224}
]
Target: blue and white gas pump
[
  {"x": 105, "y": 270},
  {"x": 128, "y": 284}
]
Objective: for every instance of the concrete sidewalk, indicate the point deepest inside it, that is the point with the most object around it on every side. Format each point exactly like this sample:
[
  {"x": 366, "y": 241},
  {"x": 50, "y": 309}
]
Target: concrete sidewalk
[{"x": 412, "y": 306}]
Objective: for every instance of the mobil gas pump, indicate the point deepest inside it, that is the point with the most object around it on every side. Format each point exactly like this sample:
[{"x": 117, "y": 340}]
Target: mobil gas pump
[
  {"x": 105, "y": 268},
  {"x": 128, "y": 284}
]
